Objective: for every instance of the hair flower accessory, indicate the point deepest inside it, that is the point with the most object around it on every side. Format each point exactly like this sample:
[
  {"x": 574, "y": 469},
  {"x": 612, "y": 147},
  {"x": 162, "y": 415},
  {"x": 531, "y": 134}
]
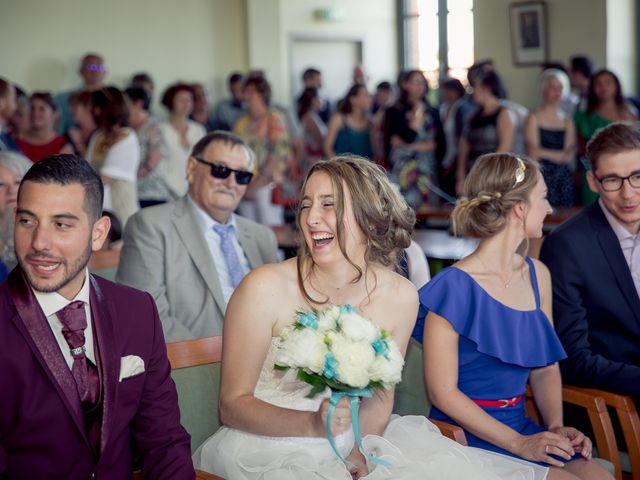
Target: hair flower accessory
[
  {"x": 519, "y": 171},
  {"x": 339, "y": 349}
]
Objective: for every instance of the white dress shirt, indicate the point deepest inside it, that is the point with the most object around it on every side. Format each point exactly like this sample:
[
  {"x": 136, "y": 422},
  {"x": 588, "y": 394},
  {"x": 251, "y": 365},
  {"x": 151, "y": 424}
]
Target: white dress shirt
[
  {"x": 629, "y": 243},
  {"x": 52, "y": 302},
  {"x": 213, "y": 241}
]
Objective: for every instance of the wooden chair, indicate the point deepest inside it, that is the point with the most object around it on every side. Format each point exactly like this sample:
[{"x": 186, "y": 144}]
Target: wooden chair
[
  {"x": 411, "y": 395},
  {"x": 105, "y": 263},
  {"x": 604, "y": 437},
  {"x": 627, "y": 414},
  {"x": 195, "y": 368}
]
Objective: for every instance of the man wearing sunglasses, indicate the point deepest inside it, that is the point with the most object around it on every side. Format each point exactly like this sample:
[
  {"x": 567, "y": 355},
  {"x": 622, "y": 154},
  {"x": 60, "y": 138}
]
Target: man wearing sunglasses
[
  {"x": 190, "y": 254},
  {"x": 594, "y": 259}
]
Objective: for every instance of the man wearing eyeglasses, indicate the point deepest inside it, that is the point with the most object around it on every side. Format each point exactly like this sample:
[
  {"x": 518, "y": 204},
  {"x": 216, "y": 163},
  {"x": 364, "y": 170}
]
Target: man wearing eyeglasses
[
  {"x": 594, "y": 259},
  {"x": 92, "y": 70},
  {"x": 190, "y": 254}
]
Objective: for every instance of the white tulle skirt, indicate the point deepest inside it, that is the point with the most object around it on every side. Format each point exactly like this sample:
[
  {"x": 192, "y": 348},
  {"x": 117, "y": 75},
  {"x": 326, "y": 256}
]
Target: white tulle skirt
[{"x": 412, "y": 446}]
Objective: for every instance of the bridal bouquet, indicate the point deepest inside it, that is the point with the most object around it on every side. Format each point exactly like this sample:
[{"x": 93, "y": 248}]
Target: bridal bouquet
[{"x": 339, "y": 349}]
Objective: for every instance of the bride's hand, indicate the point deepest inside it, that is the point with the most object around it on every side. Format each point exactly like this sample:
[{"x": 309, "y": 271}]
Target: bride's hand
[
  {"x": 360, "y": 469},
  {"x": 340, "y": 419}
]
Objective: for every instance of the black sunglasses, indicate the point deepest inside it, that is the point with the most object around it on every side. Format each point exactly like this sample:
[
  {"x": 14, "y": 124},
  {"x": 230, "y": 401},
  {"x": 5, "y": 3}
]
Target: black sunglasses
[{"x": 222, "y": 171}]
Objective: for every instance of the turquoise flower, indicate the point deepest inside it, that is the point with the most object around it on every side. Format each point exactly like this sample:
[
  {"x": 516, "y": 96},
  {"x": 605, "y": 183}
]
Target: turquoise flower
[
  {"x": 381, "y": 347},
  {"x": 330, "y": 366},
  {"x": 308, "y": 319},
  {"x": 347, "y": 309}
]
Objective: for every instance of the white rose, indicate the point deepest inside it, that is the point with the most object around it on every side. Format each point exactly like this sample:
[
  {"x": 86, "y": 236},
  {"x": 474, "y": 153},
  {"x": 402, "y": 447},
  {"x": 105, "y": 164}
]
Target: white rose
[
  {"x": 328, "y": 319},
  {"x": 358, "y": 328},
  {"x": 354, "y": 360},
  {"x": 304, "y": 348},
  {"x": 388, "y": 370}
]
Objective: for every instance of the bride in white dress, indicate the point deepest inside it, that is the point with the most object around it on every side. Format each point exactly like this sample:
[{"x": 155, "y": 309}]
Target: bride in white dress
[{"x": 353, "y": 223}]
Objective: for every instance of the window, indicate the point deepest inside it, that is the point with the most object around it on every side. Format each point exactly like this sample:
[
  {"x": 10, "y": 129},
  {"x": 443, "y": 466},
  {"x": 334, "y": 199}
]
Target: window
[{"x": 438, "y": 37}]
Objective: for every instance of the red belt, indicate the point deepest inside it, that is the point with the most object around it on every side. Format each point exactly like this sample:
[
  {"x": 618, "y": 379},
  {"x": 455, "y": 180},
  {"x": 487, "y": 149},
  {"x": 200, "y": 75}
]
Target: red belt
[{"x": 506, "y": 402}]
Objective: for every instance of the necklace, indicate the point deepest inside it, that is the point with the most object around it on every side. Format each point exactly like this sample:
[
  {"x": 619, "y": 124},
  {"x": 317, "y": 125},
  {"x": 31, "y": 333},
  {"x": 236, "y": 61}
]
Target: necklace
[{"x": 507, "y": 282}]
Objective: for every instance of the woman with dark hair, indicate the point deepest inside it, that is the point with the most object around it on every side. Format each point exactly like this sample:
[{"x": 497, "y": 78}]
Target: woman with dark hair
[
  {"x": 490, "y": 129},
  {"x": 350, "y": 128},
  {"x": 114, "y": 152},
  {"x": 20, "y": 122},
  {"x": 413, "y": 138},
  {"x": 84, "y": 126},
  {"x": 265, "y": 130},
  {"x": 180, "y": 134},
  {"x": 315, "y": 130},
  {"x": 605, "y": 104},
  {"x": 452, "y": 113},
  {"x": 41, "y": 139}
]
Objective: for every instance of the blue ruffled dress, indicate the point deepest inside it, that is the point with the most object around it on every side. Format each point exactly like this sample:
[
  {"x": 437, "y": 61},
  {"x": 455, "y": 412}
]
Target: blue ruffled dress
[{"x": 498, "y": 346}]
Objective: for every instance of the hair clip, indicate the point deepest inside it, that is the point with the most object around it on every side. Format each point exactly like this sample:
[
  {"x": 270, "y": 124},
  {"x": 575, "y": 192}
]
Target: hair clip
[{"x": 519, "y": 171}]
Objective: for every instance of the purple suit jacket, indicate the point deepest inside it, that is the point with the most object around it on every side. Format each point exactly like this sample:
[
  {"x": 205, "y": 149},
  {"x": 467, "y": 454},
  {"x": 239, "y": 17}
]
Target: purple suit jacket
[{"x": 41, "y": 426}]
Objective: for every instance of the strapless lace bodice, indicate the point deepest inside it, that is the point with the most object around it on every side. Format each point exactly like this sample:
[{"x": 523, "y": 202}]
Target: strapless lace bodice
[
  {"x": 283, "y": 389},
  {"x": 413, "y": 447}
]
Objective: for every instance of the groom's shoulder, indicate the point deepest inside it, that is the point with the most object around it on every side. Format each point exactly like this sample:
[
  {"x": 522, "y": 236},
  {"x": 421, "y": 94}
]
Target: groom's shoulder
[{"x": 116, "y": 292}]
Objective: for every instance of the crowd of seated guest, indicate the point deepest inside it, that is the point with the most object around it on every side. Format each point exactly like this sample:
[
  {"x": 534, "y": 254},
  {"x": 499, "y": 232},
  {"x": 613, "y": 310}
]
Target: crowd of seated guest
[
  {"x": 425, "y": 147},
  {"x": 211, "y": 197}
]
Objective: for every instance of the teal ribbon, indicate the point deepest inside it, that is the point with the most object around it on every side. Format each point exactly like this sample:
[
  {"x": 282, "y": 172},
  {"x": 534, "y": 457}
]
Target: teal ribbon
[{"x": 336, "y": 396}]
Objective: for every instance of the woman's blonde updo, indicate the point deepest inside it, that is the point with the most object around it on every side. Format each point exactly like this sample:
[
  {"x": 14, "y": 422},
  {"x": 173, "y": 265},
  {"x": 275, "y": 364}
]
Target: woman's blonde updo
[
  {"x": 380, "y": 211},
  {"x": 496, "y": 183}
]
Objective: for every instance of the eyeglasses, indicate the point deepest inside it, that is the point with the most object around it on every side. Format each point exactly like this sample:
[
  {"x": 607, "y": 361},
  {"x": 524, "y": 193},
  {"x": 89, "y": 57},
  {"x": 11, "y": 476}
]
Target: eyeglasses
[
  {"x": 614, "y": 183},
  {"x": 222, "y": 171},
  {"x": 95, "y": 67}
]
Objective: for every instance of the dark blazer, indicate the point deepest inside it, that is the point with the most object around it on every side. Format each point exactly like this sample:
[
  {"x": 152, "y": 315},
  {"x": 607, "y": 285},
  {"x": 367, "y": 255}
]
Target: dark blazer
[
  {"x": 596, "y": 308},
  {"x": 42, "y": 432}
]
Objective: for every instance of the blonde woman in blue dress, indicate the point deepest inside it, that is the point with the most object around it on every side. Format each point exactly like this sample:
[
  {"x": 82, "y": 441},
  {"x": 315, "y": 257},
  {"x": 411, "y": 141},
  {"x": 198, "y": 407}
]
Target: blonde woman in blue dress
[
  {"x": 353, "y": 221},
  {"x": 489, "y": 327}
]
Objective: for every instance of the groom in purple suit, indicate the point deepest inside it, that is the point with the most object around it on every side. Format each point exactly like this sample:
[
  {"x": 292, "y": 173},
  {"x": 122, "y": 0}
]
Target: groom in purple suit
[{"x": 85, "y": 382}]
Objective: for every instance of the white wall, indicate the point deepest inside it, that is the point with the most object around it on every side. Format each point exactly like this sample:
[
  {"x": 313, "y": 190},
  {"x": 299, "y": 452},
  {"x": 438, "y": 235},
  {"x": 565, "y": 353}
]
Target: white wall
[
  {"x": 274, "y": 22},
  {"x": 41, "y": 42},
  {"x": 575, "y": 27},
  {"x": 621, "y": 37}
]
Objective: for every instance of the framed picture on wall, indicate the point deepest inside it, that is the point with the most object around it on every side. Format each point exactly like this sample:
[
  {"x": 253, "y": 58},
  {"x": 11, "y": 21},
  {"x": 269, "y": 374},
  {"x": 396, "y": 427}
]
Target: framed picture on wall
[{"x": 529, "y": 45}]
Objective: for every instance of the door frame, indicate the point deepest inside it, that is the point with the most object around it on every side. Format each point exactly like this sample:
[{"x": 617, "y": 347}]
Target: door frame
[{"x": 294, "y": 37}]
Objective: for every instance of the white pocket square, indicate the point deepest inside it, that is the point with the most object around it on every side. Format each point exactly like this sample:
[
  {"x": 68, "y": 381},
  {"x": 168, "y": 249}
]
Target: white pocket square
[{"x": 130, "y": 366}]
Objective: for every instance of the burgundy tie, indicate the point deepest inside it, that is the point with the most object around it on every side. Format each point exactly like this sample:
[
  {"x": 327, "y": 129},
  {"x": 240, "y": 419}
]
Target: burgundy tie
[{"x": 74, "y": 322}]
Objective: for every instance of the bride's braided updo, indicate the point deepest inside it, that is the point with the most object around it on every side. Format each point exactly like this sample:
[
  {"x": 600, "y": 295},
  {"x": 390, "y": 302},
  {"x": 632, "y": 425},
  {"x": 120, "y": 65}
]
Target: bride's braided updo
[{"x": 496, "y": 183}]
